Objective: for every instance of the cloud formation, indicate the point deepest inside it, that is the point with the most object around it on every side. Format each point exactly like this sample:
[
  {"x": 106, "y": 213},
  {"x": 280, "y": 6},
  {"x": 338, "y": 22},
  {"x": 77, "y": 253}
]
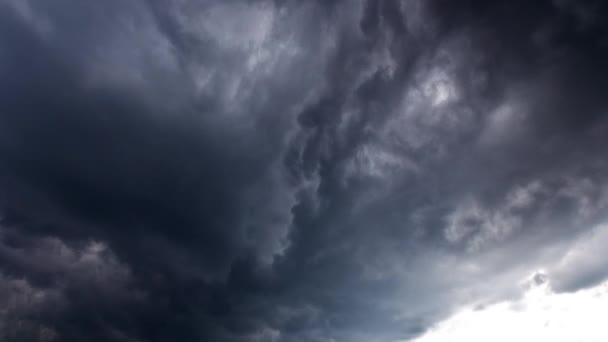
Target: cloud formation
[{"x": 294, "y": 171}]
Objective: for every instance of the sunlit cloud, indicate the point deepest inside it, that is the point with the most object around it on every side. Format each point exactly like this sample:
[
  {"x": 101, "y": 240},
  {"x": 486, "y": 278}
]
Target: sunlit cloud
[{"x": 540, "y": 315}]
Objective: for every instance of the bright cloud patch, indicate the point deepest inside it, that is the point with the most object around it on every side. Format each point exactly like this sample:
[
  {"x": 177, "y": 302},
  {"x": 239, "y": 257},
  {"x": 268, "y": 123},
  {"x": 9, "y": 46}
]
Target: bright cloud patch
[{"x": 541, "y": 315}]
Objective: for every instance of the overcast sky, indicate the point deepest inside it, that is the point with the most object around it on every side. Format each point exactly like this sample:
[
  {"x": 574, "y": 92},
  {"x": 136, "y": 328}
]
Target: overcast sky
[{"x": 303, "y": 171}]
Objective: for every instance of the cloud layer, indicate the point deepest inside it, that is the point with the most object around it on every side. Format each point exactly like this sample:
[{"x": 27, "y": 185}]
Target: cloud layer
[{"x": 294, "y": 171}]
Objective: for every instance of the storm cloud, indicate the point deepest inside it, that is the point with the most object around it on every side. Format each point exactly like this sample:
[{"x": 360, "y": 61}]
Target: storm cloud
[{"x": 295, "y": 171}]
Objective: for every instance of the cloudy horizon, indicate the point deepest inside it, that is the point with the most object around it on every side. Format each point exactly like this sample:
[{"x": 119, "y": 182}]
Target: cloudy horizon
[{"x": 281, "y": 170}]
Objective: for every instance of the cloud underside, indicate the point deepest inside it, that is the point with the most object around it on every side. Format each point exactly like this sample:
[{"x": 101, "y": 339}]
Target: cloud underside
[{"x": 300, "y": 171}]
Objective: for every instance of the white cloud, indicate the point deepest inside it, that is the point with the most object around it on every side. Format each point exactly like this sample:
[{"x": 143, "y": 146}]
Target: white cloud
[
  {"x": 566, "y": 302},
  {"x": 540, "y": 315},
  {"x": 439, "y": 88}
]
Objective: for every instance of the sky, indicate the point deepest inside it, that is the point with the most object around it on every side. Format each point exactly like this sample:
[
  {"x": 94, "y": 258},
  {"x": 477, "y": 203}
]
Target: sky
[{"x": 303, "y": 171}]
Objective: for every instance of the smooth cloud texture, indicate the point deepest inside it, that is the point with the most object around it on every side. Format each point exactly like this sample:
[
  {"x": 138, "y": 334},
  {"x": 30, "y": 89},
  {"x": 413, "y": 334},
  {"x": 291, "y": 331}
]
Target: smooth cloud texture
[{"x": 540, "y": 315}]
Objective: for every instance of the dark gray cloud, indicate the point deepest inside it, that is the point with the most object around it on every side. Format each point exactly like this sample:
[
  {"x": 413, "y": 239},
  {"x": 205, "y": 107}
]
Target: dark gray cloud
[{"x": 289, "y": 171}]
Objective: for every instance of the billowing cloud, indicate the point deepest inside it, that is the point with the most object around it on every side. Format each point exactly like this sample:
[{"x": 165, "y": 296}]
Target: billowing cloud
[{"x": 298, "y": 171}]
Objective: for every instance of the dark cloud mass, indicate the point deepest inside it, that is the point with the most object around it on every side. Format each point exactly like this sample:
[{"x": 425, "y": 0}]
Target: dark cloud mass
[{"x": 294, "y": 170}]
